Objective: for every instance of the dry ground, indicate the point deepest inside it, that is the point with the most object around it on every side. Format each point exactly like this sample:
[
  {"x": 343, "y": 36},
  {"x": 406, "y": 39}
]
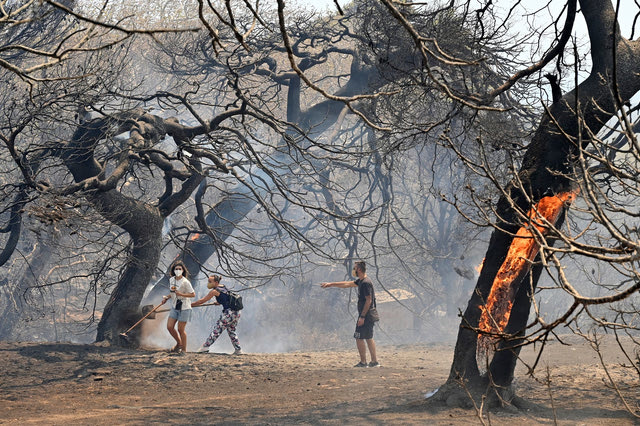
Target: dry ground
[{"x": 96, "y": 384}]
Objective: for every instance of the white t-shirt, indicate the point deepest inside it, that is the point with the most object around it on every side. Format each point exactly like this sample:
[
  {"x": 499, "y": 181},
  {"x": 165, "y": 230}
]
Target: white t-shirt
[{"x": 182, "y": 286}]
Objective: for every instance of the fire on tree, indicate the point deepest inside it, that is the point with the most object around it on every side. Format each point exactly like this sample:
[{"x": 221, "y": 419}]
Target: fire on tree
[{"x": 522, "y": 252}]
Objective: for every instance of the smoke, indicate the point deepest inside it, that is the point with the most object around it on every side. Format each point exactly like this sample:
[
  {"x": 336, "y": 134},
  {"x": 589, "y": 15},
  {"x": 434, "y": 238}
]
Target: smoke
[
  {"x": 259, "y": 327},
  {"x": 302, "y": 316}
]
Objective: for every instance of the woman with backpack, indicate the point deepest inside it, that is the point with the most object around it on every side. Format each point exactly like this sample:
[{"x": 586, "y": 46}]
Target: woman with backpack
[{"x": 228, "y": 319}]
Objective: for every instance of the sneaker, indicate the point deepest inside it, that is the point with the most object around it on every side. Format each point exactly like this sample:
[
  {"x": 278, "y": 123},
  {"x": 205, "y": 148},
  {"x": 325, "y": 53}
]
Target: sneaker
[
  {"x": 238, "y": 352},
  {"x": 374, "y": 364},
  {"x": 203, "y": 348},
  {"x": 361, "y": 364}
]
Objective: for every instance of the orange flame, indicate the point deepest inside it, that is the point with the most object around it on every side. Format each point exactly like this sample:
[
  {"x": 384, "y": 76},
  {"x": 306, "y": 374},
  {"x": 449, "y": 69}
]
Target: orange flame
[
  {"x": 479, "y": 267},
  {"x": 524, "y": 248}
]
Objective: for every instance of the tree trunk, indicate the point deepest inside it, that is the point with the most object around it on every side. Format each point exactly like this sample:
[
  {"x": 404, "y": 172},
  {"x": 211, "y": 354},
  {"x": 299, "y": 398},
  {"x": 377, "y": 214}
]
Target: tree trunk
[
  {"x": 140, "y": 219},
  {"x": 545, "y": 171},
  {"x": 222, "y": 220},
  {"x": 144, "y": 225},
  {"x": 12, "y": 305}
]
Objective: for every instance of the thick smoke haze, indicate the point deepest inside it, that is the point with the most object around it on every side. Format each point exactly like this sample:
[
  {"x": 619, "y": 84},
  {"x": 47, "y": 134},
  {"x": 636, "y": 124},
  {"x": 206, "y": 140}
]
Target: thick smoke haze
[
  {"x": 301, "y": 316},
  {"x": 306, "y": 317}
]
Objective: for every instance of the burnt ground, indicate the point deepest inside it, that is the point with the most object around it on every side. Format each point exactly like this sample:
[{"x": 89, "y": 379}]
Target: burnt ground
[{"x": 61, "y": 383}]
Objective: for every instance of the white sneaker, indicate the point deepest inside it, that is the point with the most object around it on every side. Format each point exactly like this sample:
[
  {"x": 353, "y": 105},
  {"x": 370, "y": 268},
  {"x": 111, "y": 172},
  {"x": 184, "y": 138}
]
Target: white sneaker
[
  {"x": 238, "y": 352},
  {"x": 203, "y": 348}
]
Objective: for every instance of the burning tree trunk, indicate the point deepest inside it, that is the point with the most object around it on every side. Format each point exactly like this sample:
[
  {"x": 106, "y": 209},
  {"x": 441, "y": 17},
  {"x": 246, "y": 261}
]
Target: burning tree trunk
[
  {"x": 222, "y": 220},
  {"x": 496, "y": 310},
  {"x": 501, "y": 302}
]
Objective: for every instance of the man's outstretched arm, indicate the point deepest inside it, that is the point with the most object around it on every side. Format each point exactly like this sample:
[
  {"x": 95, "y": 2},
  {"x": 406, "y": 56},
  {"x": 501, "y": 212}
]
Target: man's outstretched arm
[{"x": 339, "y": 284}]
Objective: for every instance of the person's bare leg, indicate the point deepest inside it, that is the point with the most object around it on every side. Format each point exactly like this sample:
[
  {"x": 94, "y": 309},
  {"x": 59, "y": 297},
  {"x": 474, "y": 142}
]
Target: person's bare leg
[
  {"x": 362, "y": 350},
  {"x": 183, "y": 335},
  {"x": 372, "y": 350},
  {"x": 171, "y": 323}
]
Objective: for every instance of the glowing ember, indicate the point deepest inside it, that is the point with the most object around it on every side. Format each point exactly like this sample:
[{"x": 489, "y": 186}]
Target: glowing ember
[{"x": 524, "y": 248}]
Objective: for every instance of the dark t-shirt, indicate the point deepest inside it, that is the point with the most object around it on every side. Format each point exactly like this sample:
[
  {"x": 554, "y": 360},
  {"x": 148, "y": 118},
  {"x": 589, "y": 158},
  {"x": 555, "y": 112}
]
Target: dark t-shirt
[{"x": 365, "y": 288}]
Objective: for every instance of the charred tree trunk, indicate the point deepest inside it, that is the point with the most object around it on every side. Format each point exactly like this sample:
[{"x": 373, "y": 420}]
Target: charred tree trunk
[
  {"x": 545, "y": 171},
  {"x": 140, "y": 219},
  {"x": 144, "y": 225},
  {"x": 14, "y": 227},
  {"x": 142, "y": 222}
]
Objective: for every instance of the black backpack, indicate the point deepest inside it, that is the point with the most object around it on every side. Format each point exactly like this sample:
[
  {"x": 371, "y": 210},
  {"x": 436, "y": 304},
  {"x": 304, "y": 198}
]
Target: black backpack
[{"x": 235, "y": 300}]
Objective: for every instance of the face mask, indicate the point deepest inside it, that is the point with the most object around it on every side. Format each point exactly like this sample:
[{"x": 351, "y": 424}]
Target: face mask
[{"x": 178, "y": 272}]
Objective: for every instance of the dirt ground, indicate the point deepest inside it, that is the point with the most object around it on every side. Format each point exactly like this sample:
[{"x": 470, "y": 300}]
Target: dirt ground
[{"x": 97, "y": 384}]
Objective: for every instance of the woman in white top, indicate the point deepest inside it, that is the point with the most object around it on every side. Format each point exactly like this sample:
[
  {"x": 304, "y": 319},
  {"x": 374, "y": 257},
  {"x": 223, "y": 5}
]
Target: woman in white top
[{"x": 181, "y": 294}]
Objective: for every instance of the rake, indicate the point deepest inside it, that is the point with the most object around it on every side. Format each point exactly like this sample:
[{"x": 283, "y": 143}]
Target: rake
[
  {"x": 150, "y": 312},
  {"x": 139, "y": 321}
]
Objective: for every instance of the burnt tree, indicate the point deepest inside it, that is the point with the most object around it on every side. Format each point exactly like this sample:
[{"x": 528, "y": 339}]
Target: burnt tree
[
  {"x": 96, "y": 178},
  {"x": 546, "y": 172}
]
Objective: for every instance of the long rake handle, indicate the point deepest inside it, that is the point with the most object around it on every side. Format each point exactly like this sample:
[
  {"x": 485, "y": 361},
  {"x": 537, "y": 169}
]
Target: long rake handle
[
  {"x": 199, "y": 306},
  {"x": 161, "y": 310},
  {"x": 142, "y": 319}
]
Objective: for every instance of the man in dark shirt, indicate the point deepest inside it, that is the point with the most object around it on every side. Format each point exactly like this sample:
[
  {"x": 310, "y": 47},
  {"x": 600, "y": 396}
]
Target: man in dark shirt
[{"x": 364, "y": 326}]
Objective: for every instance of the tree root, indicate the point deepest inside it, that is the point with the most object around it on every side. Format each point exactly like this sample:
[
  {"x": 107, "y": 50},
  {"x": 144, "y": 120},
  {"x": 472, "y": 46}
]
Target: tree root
[{"x": 479, "y": 397}]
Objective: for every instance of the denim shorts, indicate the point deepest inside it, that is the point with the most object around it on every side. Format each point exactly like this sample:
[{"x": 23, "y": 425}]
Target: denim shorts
[{"x": 181, "y": 316}]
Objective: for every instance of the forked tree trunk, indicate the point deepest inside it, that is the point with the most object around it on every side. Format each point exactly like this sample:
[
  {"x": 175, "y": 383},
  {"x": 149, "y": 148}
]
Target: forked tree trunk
[
  {"x": 545, "y": 171},
  {"x": 141, "y": 220}
]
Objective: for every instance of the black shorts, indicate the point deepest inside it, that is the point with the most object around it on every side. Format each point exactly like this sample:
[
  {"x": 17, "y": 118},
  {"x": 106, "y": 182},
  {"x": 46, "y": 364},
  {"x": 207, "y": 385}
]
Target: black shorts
[{"x": 365, "y": 331}]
